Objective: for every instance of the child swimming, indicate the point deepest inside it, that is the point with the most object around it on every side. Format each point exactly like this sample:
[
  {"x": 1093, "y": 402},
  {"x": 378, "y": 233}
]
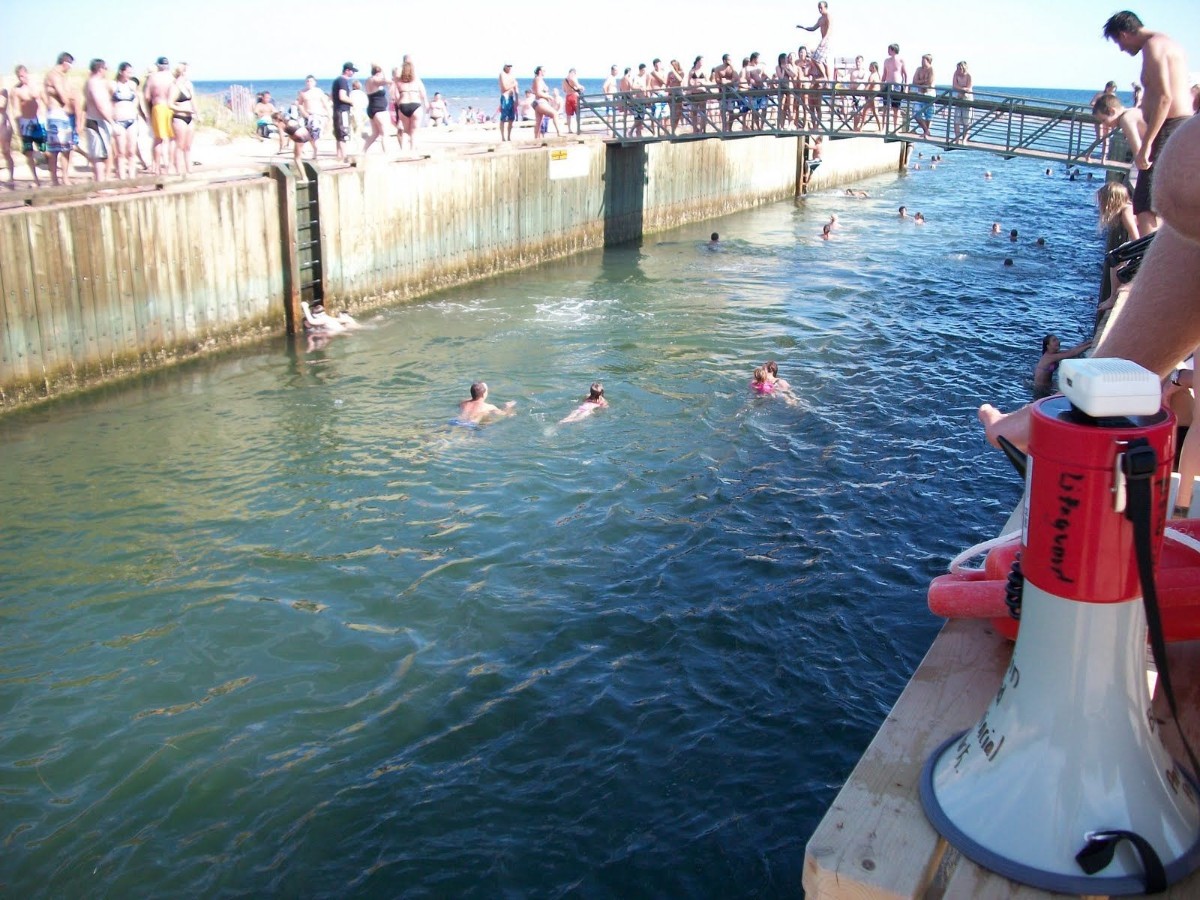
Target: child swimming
[{"x": 592, "y": 402}]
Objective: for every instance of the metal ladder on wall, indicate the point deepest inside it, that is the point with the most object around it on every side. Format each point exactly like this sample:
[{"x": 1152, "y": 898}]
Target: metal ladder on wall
[{"x": 308, "y": 235}]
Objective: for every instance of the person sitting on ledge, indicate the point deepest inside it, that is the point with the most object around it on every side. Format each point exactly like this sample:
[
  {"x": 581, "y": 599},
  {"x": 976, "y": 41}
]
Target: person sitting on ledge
[{"x": 1157, "y": 325}]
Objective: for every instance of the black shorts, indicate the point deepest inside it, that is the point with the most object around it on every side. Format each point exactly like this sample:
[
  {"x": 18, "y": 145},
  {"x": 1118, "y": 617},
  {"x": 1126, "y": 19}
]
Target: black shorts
[
  {"x": 341, "y": 125},
  {"x": 1142, "y": 199}
]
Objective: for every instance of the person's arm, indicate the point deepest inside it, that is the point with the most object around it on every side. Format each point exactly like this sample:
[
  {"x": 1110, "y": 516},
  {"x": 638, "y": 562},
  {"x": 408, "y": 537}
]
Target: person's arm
[
  {"x": 1157, "y": 84},
  {"x": 1070, "y": 353},
  {"x": 1129, "y": 221},
  {"x": 1133, "y": 129}
]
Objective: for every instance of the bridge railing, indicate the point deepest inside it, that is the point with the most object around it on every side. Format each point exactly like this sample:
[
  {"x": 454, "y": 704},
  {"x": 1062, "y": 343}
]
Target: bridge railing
[{"x": 993, "y": 123}]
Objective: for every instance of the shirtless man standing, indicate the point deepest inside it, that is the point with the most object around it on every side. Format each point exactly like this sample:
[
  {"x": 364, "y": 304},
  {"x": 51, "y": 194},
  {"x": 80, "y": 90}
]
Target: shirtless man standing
[
  {"x": 756, "y": 80},
  {"x": 821, "y": 54},
  {"x": 60, "y": 135},
  {"x": 98, "y": 112},
  {"x": 158, "y": 97},
  {"x": 572, "y": 90},
  {"x": 894, "y": 78},
  {"x": 1166, "y": 101},
  {"x": 33, "y": 134},
  {"x": 725, "y": 78},
  {"x": 314, "y": 107},
  {"x": 475, "y": 410},
  {"x": 509, "y": 91}
]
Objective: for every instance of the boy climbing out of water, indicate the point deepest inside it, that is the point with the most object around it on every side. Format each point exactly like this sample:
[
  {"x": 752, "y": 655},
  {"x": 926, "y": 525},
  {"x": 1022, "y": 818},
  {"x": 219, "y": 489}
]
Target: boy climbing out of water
[{"x": 1112, "y": 114}]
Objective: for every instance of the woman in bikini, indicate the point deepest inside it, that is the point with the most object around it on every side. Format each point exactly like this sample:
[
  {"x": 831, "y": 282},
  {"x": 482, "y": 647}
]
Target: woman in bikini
[
  {"x": 183, "y": 111},
  {"x": 377, "y": 106},
  {"x": 675, "y": 81},
  {"x": 543, "y": 105},
  {"x": 869, "y": 107},
  {"x": 408, "y": 97},
  {"x": 697, "y": 82},
  {"x": 125, "y": 120}
]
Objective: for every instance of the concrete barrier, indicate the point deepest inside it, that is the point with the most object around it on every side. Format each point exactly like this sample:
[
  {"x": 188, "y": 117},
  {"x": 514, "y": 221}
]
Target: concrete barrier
[{"x": 107, "y": 287}]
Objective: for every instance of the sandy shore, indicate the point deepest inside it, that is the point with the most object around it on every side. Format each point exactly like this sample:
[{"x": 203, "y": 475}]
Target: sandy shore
[{"x": 217, "y": 155}]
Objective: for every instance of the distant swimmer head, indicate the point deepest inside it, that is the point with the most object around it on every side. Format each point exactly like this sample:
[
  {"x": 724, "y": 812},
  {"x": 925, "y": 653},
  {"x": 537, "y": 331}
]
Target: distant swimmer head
[
  {"x": 714, "y": 238},
  {"x": 995, "y": 228},
  {"x": 903, "y": 212},
  {"x": 1008, "y": 261},
  {"x": 987, "y": 175},
  {"x": 1012, "y": 235},
  {"x": 1050, "y": 344},
  {"x": 478, "y": 390},
  {"x": 1041, "y": 242},
  {"x": 596, "y": 392}
]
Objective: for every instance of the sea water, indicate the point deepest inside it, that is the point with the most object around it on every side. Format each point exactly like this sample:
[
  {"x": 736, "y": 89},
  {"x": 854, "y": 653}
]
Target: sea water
[{"x": 271, "y": 625}]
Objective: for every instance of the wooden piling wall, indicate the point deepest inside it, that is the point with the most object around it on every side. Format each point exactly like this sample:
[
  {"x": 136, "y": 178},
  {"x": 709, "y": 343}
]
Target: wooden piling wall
[
  {"x": 95, "y": 290},
  {"x": 102, "y": 288}
]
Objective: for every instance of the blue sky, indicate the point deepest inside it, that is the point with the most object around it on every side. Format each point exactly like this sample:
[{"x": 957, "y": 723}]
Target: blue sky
[{"x": 1021, "y": 43}]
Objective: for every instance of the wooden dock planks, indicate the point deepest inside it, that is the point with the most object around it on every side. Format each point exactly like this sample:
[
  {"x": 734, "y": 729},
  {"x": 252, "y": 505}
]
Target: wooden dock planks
[{"x": 875, "y": 842}]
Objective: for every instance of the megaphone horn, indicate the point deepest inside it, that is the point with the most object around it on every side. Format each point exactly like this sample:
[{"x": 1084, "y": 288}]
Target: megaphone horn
[{"x": 1064, "y": 783}]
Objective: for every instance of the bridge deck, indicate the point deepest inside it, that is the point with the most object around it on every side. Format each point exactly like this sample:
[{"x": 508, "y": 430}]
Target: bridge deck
[{"x": 989, "y": 123}]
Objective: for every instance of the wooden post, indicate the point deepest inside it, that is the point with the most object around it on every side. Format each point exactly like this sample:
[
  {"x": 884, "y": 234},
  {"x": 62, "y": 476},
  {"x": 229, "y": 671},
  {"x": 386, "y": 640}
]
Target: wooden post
[
  {"x": 801, "y": 153},
  {"x": 905, "y": 149},
  {"x": 285, "y": 183}
]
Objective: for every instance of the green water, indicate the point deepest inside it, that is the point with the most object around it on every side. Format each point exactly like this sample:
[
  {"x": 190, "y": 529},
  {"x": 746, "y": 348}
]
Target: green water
[{"x": 271, "y": 625}]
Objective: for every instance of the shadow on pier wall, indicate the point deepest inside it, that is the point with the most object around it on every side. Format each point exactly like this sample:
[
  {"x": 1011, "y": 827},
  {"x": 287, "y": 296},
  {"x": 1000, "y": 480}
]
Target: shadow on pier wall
[{"x": 624, "y": 193}]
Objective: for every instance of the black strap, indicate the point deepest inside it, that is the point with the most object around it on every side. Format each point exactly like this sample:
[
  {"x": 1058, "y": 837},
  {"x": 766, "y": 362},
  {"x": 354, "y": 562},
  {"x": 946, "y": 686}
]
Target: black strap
[
  {"x": 1098, "y": 852},
  {"x": 1139, "y": 464}
]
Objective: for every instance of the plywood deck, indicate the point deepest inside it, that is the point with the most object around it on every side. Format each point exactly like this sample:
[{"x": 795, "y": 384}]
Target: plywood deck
[{"x": 875, "y": 841}]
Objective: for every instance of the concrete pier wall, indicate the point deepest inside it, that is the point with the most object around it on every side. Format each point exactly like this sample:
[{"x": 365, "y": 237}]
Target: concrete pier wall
[{"x": 103, "y": 288}]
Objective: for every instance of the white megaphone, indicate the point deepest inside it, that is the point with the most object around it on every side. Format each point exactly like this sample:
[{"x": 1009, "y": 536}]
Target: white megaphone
[{"x": 1064, "y": 783}]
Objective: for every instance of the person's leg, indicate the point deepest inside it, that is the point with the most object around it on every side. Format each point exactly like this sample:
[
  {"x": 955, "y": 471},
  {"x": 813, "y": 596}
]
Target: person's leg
[{"x": 1189, "y": 463}]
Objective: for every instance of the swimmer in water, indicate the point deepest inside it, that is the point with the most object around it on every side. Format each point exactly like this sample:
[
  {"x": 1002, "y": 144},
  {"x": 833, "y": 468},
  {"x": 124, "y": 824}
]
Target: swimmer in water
[
  {"x": 592, "y": 402},
  {"x": 995, "y": 228},
  {"x": 772, "y": 368},
  {"x": 316, "y": 319},
  {"x": 760, "y": 383},
  {"x": 475, "y": 410}
]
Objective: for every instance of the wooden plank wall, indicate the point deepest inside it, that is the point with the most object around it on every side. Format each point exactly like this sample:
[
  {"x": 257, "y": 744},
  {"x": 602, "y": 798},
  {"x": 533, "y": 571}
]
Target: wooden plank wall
[{"x": 97, "y": 289}]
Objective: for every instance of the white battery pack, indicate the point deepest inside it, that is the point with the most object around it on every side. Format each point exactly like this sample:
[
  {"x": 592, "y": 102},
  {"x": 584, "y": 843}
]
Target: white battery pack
[{"x": 1109, "y": 387}]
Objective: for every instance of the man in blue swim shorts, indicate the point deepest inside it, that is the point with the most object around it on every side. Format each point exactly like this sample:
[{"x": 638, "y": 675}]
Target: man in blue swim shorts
[
  {"x": 508, "y": 101},
  {"x": 60, "y": 132}
]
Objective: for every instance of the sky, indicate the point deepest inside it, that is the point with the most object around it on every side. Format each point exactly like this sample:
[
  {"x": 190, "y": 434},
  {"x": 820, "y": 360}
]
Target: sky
[{"x": 1019, "y": 43}]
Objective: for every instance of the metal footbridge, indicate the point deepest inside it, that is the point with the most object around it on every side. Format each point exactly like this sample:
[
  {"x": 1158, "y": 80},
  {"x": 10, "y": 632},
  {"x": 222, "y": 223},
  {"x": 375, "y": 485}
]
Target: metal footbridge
[{"x": 991, "y": 123}]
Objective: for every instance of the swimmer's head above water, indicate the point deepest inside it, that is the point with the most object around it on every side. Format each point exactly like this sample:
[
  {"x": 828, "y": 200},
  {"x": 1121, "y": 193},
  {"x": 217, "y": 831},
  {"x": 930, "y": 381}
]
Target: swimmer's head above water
[
  {"x": 596, "y": 392},
  {"x": 479, "y": 390}
]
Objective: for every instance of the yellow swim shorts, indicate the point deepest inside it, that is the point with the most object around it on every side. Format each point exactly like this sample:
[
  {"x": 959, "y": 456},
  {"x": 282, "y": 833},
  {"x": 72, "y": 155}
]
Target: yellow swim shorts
[{"x": 160, "y": 121}]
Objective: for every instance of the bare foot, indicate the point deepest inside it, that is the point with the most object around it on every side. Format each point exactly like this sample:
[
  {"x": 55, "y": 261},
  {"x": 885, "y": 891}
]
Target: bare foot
[{"x": 1014, "y": 425}]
